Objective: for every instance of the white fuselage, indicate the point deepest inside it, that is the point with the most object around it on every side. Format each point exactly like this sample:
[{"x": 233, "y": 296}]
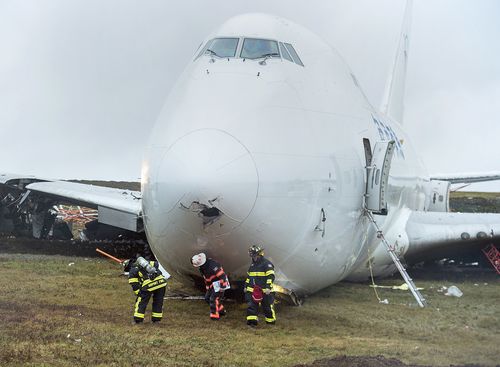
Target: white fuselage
[{"x": 272, "y": 146}]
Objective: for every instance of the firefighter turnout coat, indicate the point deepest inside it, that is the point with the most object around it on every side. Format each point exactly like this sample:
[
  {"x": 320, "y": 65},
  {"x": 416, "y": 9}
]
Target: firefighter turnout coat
[
  {"x": 216, "y": 283},
  {"x": 261, "y": 274},
  {"x": 144, "y": 286}
]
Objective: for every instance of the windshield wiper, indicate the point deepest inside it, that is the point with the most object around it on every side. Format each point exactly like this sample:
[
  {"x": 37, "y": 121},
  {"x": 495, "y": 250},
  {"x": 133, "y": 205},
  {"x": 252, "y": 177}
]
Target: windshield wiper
[
  {"x": 271, "y": 54},
  {"x": 267, "y": 56},
  {"x": 211, "y": 52}
]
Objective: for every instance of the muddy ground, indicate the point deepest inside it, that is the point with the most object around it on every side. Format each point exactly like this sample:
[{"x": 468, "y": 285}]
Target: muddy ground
[{"x": 365, "y": 361}]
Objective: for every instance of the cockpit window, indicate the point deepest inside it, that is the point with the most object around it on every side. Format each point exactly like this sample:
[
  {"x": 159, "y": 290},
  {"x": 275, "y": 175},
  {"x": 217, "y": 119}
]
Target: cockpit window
[
  {"x": 223, "y": 47},
  {"x": 285, "y": 53},
  {"x": 204, "y": 49},
  {"x": 257, "y": 48},
  {"x": 294, "y": 54}
]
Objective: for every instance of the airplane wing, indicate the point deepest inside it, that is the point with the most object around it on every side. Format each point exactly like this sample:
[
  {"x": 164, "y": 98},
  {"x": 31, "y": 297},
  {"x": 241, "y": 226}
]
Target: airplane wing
[
  {"x": 435, "y": 231},
  {"x": 116, "y": 207},
  {"x": 467, "y": 177}
]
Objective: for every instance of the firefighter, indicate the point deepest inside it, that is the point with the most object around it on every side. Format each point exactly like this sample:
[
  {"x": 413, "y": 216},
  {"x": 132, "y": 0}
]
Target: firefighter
[
  {"x": 146, "y": 280},
  {"x": 216, "y": 283},
  {"x": 259, "y": 287}
]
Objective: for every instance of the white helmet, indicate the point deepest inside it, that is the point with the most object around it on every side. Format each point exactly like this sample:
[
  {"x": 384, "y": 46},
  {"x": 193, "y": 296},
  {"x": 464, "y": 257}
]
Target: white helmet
[{"x": 199, "y": 259}]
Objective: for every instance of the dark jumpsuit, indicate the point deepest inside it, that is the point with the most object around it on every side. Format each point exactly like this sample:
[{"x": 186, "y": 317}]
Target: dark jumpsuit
[
  {"x": 212, "y": 271},
  {"x": 144, "y": 286},
  {"x": 261, "y": 273}
]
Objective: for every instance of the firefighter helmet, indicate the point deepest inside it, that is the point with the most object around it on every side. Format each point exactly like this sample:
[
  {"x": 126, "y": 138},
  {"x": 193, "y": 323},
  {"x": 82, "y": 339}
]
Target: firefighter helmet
[
  {"x": 199, "y": 259},
  {"x": 127, "y": 264},
  {"x": 256, "y": 251}
]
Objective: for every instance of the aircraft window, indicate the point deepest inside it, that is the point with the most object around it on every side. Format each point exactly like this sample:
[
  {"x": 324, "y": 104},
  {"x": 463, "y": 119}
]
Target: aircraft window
[
  {"x": 204, "y": 49},
  {"x": 223, "y": 47},
  {"x": 285, "y": 53},
  {"x": 258, "y": 48},
  {"x": 377, "y": 177},
  {"x": 294, "y": 54}
]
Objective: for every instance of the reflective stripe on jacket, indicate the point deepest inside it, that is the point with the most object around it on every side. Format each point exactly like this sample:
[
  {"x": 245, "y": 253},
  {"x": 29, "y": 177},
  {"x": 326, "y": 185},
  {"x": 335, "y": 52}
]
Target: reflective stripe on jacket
[
  {"x": 139, "y": 280},
  {"x": 260, "y": 273},
  {"x": 212, "y": 272}
]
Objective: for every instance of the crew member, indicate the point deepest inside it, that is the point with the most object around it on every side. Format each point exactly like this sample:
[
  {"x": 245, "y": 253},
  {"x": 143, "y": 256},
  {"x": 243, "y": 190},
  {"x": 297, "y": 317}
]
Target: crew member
[
  {"x": 216, "y": 283},
  {"x": 259, "y": 287},
  {"x": 146, "y": 280}
]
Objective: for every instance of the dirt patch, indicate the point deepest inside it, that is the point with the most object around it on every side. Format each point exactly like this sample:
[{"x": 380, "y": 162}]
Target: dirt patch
[{"x": 366, "y": 361}]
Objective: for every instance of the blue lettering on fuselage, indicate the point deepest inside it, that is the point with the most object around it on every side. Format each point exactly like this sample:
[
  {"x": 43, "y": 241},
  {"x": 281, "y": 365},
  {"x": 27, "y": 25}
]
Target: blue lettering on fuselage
[{"x": 386, "y": 133}]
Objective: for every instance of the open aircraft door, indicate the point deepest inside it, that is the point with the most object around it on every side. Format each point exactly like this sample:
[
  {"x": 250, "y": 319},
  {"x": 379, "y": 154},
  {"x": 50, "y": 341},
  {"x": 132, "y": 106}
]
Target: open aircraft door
[{"x": 378, "y": 165}]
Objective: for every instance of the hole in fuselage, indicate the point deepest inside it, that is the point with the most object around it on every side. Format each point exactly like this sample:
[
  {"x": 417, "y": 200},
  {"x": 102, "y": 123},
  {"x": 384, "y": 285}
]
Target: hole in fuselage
[{"x": 209, "y": 214}]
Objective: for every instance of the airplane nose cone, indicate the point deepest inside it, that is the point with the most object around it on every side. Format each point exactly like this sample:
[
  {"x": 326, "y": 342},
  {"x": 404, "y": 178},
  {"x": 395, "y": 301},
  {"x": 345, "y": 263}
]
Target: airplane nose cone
[{"x": 208, "y": 167}]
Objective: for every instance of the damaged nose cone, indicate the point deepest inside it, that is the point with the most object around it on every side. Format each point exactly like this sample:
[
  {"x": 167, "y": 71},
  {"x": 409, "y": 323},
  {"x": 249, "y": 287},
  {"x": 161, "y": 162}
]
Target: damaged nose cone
[{"x": 209, "y": 172}]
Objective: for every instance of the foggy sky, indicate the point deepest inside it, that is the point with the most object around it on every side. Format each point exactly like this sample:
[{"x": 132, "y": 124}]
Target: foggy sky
[{"x": 82, "y": 82}]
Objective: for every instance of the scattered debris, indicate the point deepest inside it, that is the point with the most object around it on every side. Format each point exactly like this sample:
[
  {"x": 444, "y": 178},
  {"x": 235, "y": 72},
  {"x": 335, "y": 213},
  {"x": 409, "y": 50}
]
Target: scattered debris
[
  {"x": 186, "y": 297},
  {"x": 442, "y": 289},
  {"x": 454, "y": 291},
  {"x": 71, "y": 264},
  {"x": 384, "y": 301},
  {"x": 402, "y": 287},
  {"x": 76, "y": 340}
]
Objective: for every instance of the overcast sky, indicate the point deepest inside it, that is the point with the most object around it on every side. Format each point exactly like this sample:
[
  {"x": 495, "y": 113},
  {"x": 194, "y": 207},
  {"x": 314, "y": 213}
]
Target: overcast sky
[{"x": 82, "y": 82}]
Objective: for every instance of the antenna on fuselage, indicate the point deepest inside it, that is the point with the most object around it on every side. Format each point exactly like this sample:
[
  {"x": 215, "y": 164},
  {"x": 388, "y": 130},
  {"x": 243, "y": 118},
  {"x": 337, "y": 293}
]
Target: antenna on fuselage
[{"x": 393, "y": 100}]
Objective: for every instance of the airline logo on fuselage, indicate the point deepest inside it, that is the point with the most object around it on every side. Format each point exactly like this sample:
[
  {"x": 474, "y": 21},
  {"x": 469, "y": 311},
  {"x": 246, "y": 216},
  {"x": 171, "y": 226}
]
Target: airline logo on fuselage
[{"x": 386, "y": 133}]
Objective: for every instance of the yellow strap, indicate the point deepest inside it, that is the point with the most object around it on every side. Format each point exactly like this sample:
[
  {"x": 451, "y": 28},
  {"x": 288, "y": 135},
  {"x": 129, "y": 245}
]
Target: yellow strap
[
  {"x": 133, "y": 280},
  {"x": 156, "y": 314},
  {"x": 252, "y": 318},
  {"x": 269, "y": 272}
]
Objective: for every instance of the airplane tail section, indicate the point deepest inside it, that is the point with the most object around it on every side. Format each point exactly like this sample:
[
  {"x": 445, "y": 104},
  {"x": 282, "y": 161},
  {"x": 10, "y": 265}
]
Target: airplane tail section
[{"x": 393, "y": 101}]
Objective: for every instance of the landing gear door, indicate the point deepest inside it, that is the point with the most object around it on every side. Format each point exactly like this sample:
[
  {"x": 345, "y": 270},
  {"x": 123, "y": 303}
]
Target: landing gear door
[{"x": 377, "y": 174}]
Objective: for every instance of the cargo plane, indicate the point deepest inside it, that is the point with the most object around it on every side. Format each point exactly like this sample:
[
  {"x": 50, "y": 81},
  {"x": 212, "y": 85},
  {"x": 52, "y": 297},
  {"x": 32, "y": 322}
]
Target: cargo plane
[{"x": 267, "y": 138}]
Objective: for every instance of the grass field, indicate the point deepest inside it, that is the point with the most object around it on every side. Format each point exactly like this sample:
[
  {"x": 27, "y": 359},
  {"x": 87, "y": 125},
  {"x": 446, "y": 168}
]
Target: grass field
[{"x": 56, "y": 314}]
